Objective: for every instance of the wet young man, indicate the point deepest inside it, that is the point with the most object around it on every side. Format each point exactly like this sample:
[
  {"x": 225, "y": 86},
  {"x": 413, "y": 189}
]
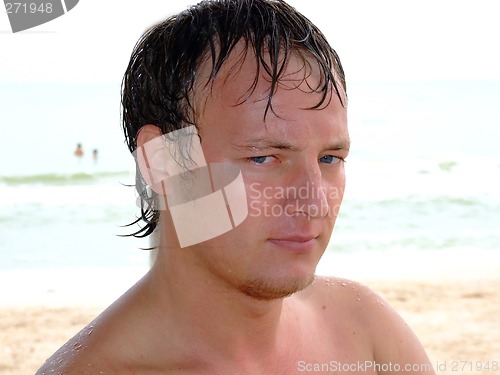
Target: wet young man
[{"x": 236, "y": 113}]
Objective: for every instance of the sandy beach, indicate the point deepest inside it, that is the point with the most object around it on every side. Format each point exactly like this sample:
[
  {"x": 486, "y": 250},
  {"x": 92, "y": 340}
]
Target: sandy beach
[{"x": 455, "y": 314}]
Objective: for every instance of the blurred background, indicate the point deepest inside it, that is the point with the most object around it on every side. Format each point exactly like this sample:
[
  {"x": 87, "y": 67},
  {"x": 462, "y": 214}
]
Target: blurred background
[{"x": 423, "y": 176}]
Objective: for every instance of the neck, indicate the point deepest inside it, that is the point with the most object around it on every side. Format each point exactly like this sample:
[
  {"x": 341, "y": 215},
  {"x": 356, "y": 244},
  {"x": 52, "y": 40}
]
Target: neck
[{"x": 212, "y": 313}]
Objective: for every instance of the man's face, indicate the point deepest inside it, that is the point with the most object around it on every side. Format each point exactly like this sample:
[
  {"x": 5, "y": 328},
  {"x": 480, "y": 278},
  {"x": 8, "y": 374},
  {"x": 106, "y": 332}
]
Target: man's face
[{"x": 292, "y": 168}]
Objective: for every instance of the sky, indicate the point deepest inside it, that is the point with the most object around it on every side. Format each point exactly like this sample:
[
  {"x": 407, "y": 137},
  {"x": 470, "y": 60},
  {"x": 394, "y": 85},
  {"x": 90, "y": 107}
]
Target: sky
[{"x": 383, "y": 40}]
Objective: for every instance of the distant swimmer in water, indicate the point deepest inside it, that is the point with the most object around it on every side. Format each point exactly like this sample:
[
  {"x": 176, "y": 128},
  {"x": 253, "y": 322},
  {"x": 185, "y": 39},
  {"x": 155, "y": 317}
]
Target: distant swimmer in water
[{"x": 79, "y": 151}]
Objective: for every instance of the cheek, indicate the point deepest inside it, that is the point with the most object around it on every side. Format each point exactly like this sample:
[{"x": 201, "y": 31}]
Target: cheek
[
  {"x": 335, "y": 193},
  {"x": 335, "y": 204},
  {"x": 259, "y": 199}
]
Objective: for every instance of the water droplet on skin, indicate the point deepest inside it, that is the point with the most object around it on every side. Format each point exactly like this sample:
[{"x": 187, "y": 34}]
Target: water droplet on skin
[
  {"x": 343, "y": 284},
  {"x": 329, "y": 282},
  {"x": 77, "y": 346}
]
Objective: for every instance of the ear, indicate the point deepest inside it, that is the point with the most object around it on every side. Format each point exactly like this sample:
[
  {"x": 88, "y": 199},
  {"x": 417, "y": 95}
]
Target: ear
[{"x": 152, "y": 157}]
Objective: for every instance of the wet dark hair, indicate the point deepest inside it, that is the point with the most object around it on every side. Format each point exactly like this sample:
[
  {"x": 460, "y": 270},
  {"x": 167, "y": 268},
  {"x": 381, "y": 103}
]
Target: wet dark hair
[{"x": 160, "y": 79}]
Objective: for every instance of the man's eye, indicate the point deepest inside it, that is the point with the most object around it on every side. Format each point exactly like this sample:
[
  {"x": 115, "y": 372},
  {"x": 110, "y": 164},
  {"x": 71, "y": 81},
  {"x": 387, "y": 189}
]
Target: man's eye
[
  {"x": 330, "y": 159},
  {"x": 261, "y": 159}
]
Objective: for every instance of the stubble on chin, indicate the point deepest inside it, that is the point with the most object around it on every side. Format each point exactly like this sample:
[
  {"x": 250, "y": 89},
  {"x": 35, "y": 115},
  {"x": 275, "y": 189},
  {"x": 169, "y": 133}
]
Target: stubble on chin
[{"x": 266, "y": 290}]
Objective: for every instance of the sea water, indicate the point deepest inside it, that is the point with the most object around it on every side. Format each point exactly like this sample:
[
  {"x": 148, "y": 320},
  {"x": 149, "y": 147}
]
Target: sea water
[{"x": 423, "y": 176}]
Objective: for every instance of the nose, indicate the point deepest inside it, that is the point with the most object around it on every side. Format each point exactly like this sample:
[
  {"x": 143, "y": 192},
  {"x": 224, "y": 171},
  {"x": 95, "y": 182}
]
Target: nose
[{"x": 306, "y": 193}]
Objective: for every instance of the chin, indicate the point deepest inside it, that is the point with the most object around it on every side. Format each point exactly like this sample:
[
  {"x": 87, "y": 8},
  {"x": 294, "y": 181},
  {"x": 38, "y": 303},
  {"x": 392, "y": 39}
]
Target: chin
[{"x": 271, "y": 289}]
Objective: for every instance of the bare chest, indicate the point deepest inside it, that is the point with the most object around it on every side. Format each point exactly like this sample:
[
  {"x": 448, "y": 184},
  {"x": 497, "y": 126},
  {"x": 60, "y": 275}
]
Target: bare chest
[{"x": 341, "y": 354}]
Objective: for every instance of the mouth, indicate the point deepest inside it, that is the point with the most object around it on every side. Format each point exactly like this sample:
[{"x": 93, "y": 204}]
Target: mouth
[{"x": 296, "y": 244}]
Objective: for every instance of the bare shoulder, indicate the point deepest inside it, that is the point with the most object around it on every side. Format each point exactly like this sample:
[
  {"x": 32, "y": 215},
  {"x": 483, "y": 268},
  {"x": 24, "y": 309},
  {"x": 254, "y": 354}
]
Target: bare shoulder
[
  {"x": 77, "y": 356},
  {"x": 391, "y": 339},
  {"x": 121, "y": 340},
  {"x": 97, "y": 348},
  {"x": 108, "y": 345},
  {"x": 346, "y": 294},
  {"x": 356, "y": 299},
  {"x": 347, "y": 301}
]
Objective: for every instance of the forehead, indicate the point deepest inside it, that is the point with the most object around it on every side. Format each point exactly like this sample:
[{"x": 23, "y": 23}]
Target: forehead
[
  {"x": 242, "y": 78},
  {"x": 235, "y": 105}
]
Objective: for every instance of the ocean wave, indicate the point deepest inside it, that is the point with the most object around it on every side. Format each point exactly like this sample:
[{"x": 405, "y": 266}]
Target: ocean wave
[{"x": 60, "y": 178}]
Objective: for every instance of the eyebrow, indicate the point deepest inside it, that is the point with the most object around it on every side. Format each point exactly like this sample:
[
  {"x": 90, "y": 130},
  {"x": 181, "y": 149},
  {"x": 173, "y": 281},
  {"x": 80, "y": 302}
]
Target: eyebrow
[
  {"x": 342, "y": 144},
  {"x": 265, "y": 144}
]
